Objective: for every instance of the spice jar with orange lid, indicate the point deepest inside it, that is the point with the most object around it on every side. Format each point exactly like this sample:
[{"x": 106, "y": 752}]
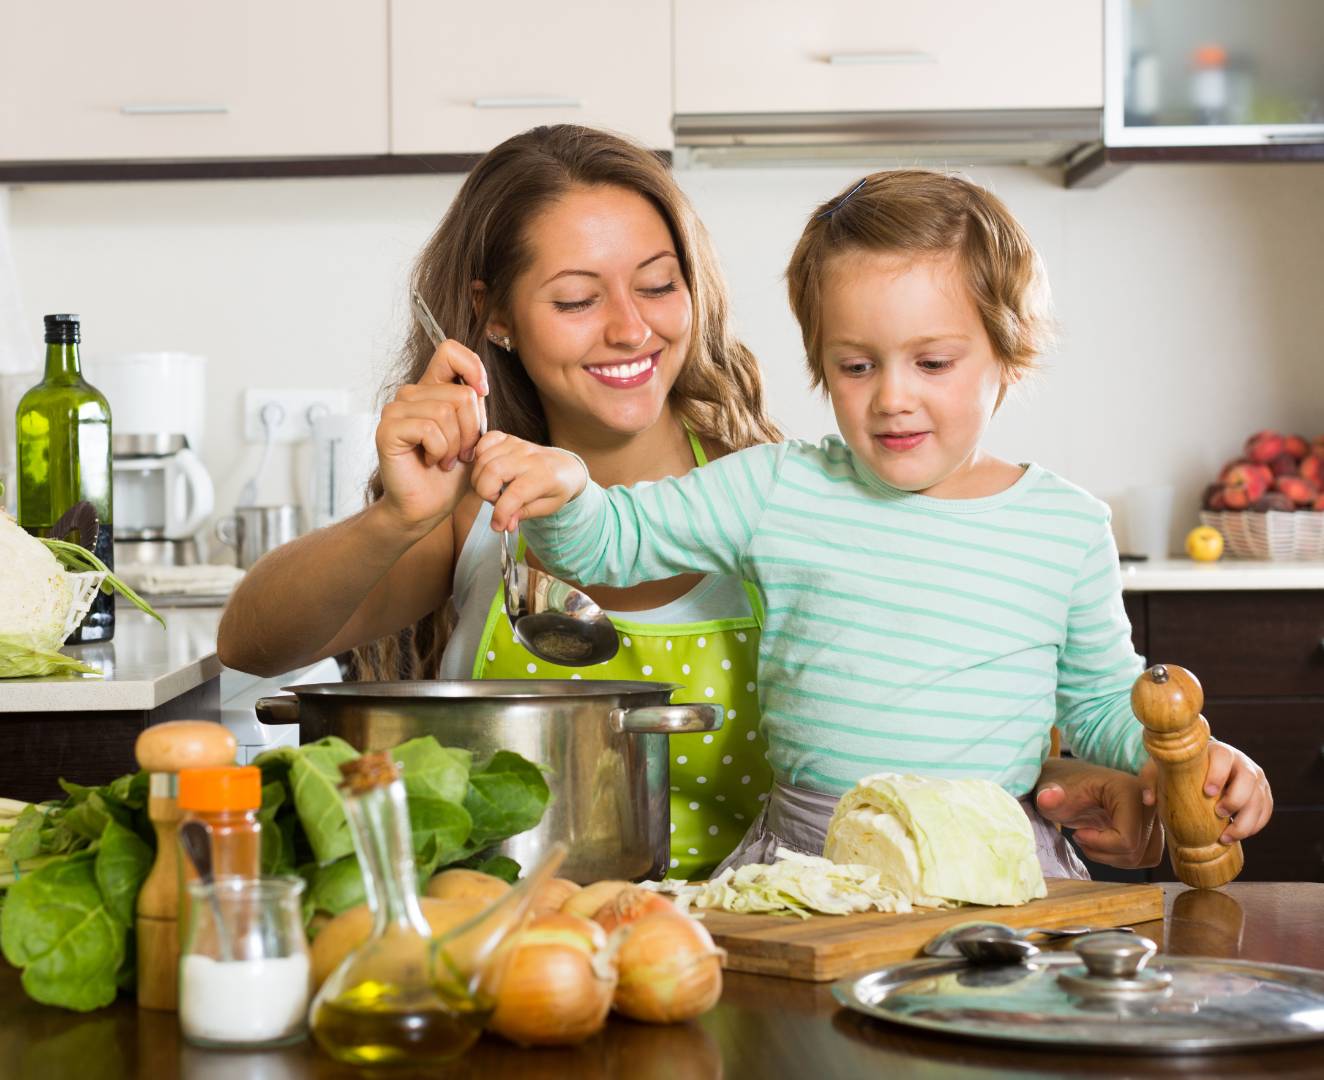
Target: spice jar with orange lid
[{"x": 226, "y": 799}]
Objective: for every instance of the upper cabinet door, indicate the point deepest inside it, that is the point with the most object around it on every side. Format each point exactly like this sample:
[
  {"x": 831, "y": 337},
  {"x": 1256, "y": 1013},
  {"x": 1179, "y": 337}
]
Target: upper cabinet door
[
  {"x": 86, "y": 79},
  {"x": 464, "y": 76},
  {"x": 768, "y": 56}
]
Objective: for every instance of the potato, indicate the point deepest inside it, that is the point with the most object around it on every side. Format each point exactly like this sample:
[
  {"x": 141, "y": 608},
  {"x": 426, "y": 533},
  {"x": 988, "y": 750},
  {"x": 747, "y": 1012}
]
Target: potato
[
  {"x": 462, "y": 884},
  {"x": 350, "y": 929},
  {"x": 552, "y": 894},
  {"x": 590, "y": 898}
]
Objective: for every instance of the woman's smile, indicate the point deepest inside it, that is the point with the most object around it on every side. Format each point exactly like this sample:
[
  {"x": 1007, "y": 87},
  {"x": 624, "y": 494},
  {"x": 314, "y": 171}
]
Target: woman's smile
[{"x": 625, "y": 374}]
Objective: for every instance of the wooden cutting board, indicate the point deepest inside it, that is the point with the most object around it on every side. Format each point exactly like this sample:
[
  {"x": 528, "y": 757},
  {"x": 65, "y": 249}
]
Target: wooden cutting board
[{"x": 825, "y": 947}]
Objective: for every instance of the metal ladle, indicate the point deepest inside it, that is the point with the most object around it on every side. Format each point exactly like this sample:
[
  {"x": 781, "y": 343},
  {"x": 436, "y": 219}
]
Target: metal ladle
[{"x": 552, "y": 619}]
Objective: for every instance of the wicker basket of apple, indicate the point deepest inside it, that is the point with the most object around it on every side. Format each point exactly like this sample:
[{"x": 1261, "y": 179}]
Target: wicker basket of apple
[{"x": 1269, "y": 503}]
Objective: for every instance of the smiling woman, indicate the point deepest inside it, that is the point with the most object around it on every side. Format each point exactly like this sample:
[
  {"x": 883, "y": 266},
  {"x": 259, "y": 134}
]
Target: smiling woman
[{"x": 586, "y": 311}]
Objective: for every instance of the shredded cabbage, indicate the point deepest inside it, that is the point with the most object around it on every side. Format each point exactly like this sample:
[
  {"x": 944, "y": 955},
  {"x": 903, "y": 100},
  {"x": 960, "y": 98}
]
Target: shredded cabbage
[
  {"x": 796, "y": 884},
  {"x": 936, "y": 841}
]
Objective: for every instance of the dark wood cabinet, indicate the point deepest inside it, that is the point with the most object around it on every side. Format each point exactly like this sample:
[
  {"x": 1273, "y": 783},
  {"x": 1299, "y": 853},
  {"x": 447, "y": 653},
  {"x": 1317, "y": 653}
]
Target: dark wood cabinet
[{"x": 1260, "y": 657}]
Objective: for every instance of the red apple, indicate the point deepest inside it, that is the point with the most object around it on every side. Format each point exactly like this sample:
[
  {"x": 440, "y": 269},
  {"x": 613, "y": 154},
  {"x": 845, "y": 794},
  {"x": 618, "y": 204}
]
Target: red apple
[
  {"x": 1312, "y": 469},
  {"x": 1264, "y": 446},
  {"x": 1236, "y": 497},
  {"x": 1302, "y": 492},
  {"x": 1249, "y": 477},
  {"x": 1297, "y": 446},
  {"x": 1217, "y": 500},
  {"x": 1319, "y": 503}
]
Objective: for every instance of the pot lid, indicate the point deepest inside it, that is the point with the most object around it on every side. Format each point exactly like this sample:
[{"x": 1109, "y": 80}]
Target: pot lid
[{"x": 1104, "y": 995}]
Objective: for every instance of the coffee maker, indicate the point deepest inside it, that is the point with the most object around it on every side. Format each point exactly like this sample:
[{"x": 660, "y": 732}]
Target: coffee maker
[
  {"x": 163, "y": 493},
  {"x": 163, "y": 496}
]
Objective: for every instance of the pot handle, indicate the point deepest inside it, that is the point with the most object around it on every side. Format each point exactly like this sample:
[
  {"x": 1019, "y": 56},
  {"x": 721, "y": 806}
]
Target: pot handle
[
  {"x": 667, "y": 719},
  {"x": 281, "y": 709}
]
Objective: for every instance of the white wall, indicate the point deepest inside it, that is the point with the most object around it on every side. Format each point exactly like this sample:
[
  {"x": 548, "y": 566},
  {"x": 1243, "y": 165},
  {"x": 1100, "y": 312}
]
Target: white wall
[{"x": 1189, "y": 299}]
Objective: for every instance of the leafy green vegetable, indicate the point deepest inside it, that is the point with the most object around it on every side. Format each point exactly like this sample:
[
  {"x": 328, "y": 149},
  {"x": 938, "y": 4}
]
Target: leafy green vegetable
[
  {"x": 57, "y": 927},
  {"x": 315, "y": 780},
  {"x": 78, "y": 559},
  {"x": 507, "y": 795},
  {"x": 122, "y": 863},
  {"x": 499, "y": 866}
]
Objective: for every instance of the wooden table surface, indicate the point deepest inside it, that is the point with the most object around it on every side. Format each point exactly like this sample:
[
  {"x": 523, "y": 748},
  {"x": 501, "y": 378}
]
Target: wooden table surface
[{"x": 764, "y": 1027}]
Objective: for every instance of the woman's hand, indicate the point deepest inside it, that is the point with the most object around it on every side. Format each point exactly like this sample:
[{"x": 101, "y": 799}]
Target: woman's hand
[
  {"x": 523, "y": 480},
  {"x": 427, "y": 437},
  {"x": 1112, "y": 813}
]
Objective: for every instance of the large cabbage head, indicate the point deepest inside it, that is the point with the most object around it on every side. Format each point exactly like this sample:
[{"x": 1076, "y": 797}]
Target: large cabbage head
[
  {"x": 41, "y": 604},
  {"x": 938, "y": 841}
]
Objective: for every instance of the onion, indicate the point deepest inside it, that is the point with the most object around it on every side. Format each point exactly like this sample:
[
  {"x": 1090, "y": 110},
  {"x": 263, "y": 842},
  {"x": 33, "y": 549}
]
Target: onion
[
  {"x": 631, "y": 904},
  {"x": 590, "y": 898},
  {"x": 669, "y": 969},
  {"x": 558, "y": 983},
  {"x": 551, "y": 894}
]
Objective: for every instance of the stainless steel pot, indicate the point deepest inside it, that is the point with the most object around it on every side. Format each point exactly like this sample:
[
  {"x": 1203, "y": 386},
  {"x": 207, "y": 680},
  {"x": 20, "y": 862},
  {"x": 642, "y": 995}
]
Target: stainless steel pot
[{"x": 605, "y": 744}]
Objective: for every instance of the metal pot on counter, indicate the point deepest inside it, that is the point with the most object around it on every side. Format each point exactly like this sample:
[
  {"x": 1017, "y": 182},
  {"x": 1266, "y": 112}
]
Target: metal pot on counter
[{"x": 604, "y": 744}]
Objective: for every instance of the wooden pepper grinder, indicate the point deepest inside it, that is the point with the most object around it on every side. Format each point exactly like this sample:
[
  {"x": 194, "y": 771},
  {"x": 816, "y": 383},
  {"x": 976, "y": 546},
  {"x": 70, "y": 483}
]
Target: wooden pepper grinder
[
  {"x": 162, "y": 750},
  {"x": 1168, "y": 699}
]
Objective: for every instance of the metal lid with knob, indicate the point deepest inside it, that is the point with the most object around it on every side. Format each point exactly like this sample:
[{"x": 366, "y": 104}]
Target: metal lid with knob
[{"x": 1114, "y": 965}]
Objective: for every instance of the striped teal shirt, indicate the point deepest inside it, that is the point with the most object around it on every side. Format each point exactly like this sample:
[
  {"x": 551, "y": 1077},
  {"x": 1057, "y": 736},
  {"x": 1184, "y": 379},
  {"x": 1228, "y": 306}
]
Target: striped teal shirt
[{"x": 943, "y": 637}]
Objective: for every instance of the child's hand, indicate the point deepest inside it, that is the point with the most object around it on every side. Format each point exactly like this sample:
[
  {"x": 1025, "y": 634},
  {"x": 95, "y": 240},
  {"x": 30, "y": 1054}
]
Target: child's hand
[
  {"x": 523, "y": 480},
  {"x": 1244, "y": 788}
]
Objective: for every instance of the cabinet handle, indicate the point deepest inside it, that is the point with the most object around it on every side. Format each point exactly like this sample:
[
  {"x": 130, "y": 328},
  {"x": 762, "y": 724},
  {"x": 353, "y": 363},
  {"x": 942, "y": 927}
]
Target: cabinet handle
[
  {"x": 527, "y": 103},
  {"x": 892, "y": 56},
  {"x": 173, "y": 110}
]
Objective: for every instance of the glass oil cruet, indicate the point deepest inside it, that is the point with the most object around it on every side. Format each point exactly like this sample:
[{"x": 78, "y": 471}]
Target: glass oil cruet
[{"x": 404, "y": 997}]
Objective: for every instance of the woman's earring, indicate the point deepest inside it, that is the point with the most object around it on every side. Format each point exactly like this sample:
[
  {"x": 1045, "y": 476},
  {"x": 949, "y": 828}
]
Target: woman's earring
[{"x": 500, "y": 342}]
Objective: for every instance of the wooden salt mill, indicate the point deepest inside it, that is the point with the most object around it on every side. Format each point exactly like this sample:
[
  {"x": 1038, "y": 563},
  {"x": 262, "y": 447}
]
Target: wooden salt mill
[
  {"x": 1168, "y": 699},
  {"x": 162, "y": 750}
]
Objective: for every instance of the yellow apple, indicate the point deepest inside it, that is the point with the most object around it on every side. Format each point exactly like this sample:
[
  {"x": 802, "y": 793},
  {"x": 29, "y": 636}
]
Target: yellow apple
[{"x": 1204, "y": 544}]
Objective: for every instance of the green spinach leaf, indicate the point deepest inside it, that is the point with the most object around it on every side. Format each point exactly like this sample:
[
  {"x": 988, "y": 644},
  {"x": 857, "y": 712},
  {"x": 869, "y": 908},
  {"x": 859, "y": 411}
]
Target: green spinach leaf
[
  {"x": 56, "y": 926},
  {"x": 122, "y": 863},
  {"x": 507, "y": 795},
  {"x": 315, "y": 781}
]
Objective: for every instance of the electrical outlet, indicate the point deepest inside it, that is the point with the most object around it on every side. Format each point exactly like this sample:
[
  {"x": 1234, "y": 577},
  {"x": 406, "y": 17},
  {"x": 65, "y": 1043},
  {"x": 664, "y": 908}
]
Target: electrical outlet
[{"x": 291, "y": 412}]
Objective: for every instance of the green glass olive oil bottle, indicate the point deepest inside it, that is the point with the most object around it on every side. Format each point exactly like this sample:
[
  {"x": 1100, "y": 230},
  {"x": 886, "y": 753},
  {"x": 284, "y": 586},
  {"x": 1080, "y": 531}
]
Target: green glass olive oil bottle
[{"x": 64, "y": 458}]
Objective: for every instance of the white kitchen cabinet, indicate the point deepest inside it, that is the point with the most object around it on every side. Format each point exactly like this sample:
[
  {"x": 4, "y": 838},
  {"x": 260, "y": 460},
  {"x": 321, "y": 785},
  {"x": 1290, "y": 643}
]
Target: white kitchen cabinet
[
  {"x": 788, "y": 56},
  {"x": 160, "y": 79},
  {"x": 466, "y": 76}
]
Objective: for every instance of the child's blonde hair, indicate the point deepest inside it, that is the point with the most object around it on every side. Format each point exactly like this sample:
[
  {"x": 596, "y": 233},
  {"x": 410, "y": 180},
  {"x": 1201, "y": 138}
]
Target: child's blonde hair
[{"x": 911, "y": 211}]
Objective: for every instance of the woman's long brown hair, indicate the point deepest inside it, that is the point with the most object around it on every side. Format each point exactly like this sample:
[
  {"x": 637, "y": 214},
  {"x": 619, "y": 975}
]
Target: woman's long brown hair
[{"x": 484, "y": 237}]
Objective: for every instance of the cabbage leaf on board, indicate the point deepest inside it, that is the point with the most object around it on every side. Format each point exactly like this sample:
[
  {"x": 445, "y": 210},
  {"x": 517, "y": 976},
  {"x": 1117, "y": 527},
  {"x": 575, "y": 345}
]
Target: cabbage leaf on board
[{"x": 938, "y": 841}]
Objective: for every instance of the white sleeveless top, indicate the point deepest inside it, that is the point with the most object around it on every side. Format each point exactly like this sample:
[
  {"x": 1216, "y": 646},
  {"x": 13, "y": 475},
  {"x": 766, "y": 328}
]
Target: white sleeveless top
[{"x": 478, "y": 578}]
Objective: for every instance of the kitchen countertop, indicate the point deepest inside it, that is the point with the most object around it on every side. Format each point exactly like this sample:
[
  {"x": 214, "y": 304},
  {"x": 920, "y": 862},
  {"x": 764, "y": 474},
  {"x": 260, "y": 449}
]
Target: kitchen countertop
[
  {"x": 1175, "y": 575},
  {"x": 763, "y": 1026},
  {"x": 144, "y": 665}
]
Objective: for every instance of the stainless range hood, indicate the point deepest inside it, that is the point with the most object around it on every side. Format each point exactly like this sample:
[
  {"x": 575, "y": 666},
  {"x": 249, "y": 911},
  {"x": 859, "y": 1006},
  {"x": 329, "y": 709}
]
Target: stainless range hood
[{"x": 975, "y": 136}]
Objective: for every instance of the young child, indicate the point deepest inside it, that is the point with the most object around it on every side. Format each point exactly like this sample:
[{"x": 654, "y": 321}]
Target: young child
[{"x": 930, "y": 609}]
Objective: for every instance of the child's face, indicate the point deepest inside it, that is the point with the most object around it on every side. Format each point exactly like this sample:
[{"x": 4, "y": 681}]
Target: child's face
[{"x": 910, "y": 369}]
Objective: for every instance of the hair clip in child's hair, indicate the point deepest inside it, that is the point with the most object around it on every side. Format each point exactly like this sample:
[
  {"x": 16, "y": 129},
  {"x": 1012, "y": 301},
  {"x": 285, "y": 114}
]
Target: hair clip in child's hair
[{"x": 843, "y": 200}]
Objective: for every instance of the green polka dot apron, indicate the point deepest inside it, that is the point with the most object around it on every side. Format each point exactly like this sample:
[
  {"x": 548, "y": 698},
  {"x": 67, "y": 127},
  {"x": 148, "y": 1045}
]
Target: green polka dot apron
[{"x": 717, "y": 778}]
